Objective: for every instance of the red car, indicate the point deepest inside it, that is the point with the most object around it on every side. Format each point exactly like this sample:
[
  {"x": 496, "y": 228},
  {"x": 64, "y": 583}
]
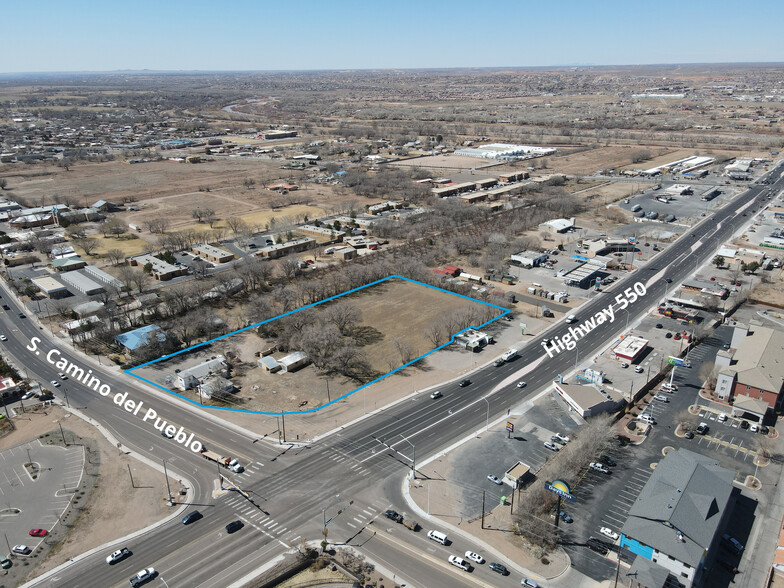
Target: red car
[{"x": 38, "y": 532}]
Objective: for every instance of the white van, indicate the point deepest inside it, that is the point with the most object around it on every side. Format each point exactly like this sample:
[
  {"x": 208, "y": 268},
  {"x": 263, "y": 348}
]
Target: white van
[
  {"x": 437, "y": 536},
  {"x": 571, "y": 319}
]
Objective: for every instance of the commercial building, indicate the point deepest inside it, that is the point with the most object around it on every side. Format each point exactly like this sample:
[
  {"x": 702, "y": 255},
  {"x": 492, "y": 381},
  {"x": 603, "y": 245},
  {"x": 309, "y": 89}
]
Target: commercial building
[
  {"x": 213, "y": 254},
  {"x": 160, "y": 270},
  {"x": 754, "y": 371},
  {"x": 676, "y": 520},
  {"x": 505, "y": 151},
  {"x": 194, "y": 376},
  {"x": 454, "y": 189},
  {"x": 81, "y": 283},
  {"x": 558, "y": 225},
  {"x": 274, "y": 134},
  {"x": 630, "y": 347},
  {"x": 604, "y": 246},
  {"x": 580, "y": 273},
  {"x": 528, "y": 258},
  {"x": 589, "y": 399},
  {"x": 132, "y": 340},
  {"x": 517, "y": 475},
  {"x": 324, "y": 232},
  {"x": 282, "y": 249},
  {"x": 105, "y": 278},
  {"x": 472, "y": 339},
  {"x": 68, "y": 264},
  {"x": 51, "y": 287}
]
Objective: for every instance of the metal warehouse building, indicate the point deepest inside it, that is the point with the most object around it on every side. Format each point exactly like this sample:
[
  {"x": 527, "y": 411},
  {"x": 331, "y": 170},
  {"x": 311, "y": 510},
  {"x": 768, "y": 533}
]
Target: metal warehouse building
[{"x": 82, "y": 283}]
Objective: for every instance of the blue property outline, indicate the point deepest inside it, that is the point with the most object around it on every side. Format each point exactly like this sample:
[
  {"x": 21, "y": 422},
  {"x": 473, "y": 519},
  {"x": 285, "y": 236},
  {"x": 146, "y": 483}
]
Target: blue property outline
[{"x": 253, "y": 326}]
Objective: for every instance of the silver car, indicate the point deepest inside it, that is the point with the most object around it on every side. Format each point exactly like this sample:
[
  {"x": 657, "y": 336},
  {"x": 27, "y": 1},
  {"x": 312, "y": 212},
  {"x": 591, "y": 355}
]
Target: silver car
[{"x": 551, "y": 446}]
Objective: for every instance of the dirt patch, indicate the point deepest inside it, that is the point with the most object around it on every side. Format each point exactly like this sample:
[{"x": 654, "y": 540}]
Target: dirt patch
[
  {"x": 445, "y": 162},
  {"x": 103, "y": 517},
  {"x": 592, "y": 160},
  {"x": 395, "y": 318}
]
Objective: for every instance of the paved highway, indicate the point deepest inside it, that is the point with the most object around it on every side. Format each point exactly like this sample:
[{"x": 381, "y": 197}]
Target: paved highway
[{"x": 363, "y": 462}]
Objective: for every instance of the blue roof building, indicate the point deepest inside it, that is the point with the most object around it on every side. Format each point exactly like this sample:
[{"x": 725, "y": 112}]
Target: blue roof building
[{"x": 132, "y": 340}]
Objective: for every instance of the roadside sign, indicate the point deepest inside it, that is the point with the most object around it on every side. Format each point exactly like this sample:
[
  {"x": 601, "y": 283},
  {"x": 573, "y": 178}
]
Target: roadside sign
[
  {"x": 510, "y": 427},
  {"x": 678, "y": 362},
  {"x": 560, "y": 488}
]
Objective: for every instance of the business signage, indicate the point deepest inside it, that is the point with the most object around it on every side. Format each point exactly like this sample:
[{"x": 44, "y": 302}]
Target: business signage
[{"x": 560, "y": 488}]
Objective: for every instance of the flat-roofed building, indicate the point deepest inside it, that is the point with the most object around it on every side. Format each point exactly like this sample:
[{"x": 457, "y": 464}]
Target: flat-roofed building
[
  {"x": 282, "y": 249},
  {"x": 81, "y": 283},
  {"x": 324, "y": 231},
  {"x": 529, "y": 258},
  {"x": 454, "y": 189},
  {"x": 589, "y": 399},
  {"x": 630, "y": 347},
  {"x": 105, "y": 278},
  {"x": 212, "y": 253},
  {"x": 160, "y": 270},
  {"x": 51, "y": 287},
  {"x": 517, "y": 475},
  {"x": 558, "y": 225}
]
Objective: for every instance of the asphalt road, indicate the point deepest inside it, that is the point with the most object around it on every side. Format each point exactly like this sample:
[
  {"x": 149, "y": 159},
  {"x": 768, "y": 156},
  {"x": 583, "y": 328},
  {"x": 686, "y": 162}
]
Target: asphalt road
[{"x": 361, "y": 460}]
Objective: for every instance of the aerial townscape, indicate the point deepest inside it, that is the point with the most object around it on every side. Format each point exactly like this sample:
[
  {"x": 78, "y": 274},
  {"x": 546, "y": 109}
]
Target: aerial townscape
[{"x": 319, "y": 295}]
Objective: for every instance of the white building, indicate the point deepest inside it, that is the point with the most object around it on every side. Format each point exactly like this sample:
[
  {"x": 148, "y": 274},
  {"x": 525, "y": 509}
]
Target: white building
[{"x": 505, "y": 151}]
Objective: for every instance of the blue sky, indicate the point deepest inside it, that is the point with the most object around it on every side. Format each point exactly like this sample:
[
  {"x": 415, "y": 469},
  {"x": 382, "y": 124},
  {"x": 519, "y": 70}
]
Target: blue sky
[{"x": 282, "y": 34}]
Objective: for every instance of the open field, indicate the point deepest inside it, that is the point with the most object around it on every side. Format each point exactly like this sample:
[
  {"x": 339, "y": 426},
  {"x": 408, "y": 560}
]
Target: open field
[
  {"x": 129, "y": 245},
  {"x": 588, "y": 162},
  {"x": 392, "y": 330},
  {"x": 444, "y": 162}
]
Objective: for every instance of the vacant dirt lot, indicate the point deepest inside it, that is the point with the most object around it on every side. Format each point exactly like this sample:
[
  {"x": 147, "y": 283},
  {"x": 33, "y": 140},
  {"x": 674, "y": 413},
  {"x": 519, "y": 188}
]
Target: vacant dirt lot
[
  {"x": 396, "y": 316},
  {"x": 444, "y": 162},
  {"x": 588, "y": 162}
]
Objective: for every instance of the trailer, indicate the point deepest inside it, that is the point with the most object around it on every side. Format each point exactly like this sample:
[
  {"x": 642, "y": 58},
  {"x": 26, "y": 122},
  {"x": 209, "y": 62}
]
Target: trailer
[
  {"x": 216, "y": 457},
  {"x": 411, "y": 524},
  {"x": 509, "y": 355}
]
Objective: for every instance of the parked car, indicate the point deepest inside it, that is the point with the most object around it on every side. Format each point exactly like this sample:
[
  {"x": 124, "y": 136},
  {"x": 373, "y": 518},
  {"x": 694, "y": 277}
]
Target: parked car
[
  {"x": 551, "y": 446},
  {"x": 689, "y": 435},
  {"x": 118, "y": 555},
  {"x": 142, "y": 577},
  {"x": 639, "y": 369},
  {"x": 624, "y": 364},
  {"x": 474, "y": 557},
  {"x": 557, "y": 439},
  {"x": 5, "y": 563},
  {"x": 564, "y": 438},
  {"x": 607, "y": 532},
  {"x": 38, "y": 532},
  {"x": 565, "y": 517},
  {"x": 646, "y": 418},
  {"x": 702, "y": 428},
  {"x": 722, "y": 417},
  {"x": 599, "y": 467},
  {"x": 732, "y": 544},
  {"x": 606, "y": 459},
  {"x": 754, "y": 428},
  {"x": 744, "y": 424},
  {"x": 27, "y": 395},
  {"x": 23, "y": 549},
  {"x": 661, "y": 398},
  {"x": 494, "y": 479},
  {"x": 668, "y": 335}
]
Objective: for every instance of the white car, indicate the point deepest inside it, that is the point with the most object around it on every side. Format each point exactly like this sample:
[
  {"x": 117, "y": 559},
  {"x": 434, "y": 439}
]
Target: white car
[
  {"x": 28, "y": 395},
  {"x": 435, "y": 394},
  {"x": 521, "y": 384},
  {"x": 624, "y": 365},
  {"x": 551, "y": 446},
  {"x": 563, "y": 438},
  {"x": 141, "y": 577},
  {"x": 3, "y": 338},
  {"x": 118, "y": 555},
  {"x": 23, "y": 549},
  {"x": 646, "y": 418},
  {"x": 55, "y": 383},
  {"x": 494, "y": 479},
  {"x": 722, "y": 417},
  {"x": 599, "y": 467},
  {"x": 458, "y": 562},
  {"x": 639, "y": 369},
  {"x": 62, "y": 376},
  {"x": 474, "y": 557},
  {"x": 607, "y": 532},
  {"x": 661, "y": 398}
]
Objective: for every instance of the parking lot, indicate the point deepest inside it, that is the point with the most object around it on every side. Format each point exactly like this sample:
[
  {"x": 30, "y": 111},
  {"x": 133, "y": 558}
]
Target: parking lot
[{"x": 30, "y": 502}]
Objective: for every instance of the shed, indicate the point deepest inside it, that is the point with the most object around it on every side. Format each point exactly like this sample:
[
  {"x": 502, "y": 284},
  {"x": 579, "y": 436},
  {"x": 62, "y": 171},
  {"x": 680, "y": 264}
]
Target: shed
[
  {"x": 269, "y": 363},
  {"x": 294, "y": 361}
]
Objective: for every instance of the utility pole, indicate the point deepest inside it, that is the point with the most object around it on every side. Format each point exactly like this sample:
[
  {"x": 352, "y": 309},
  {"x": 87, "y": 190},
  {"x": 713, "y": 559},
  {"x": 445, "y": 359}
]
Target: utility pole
[
  {"x": 133, "y": 484},
  {"x": 483, "y": 509},
  {"x": 168, "y": 489},
  {"x": 62, "y": 433},
  {"x": 68, "y": 404},
  {"x": 283, "y": 419}
]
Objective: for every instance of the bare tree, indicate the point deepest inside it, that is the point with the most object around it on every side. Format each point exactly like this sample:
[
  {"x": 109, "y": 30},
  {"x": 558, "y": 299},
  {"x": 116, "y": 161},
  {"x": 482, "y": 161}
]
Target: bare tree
[
  {"x": 87, "y": 244},
  {"x": 288, "y": 269},
  {"x": 236, "y": 224},
  {"x": 344, "y": 315},
  {"x": 115, "y": 256},
  {"x": 404, "y": 348}
]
